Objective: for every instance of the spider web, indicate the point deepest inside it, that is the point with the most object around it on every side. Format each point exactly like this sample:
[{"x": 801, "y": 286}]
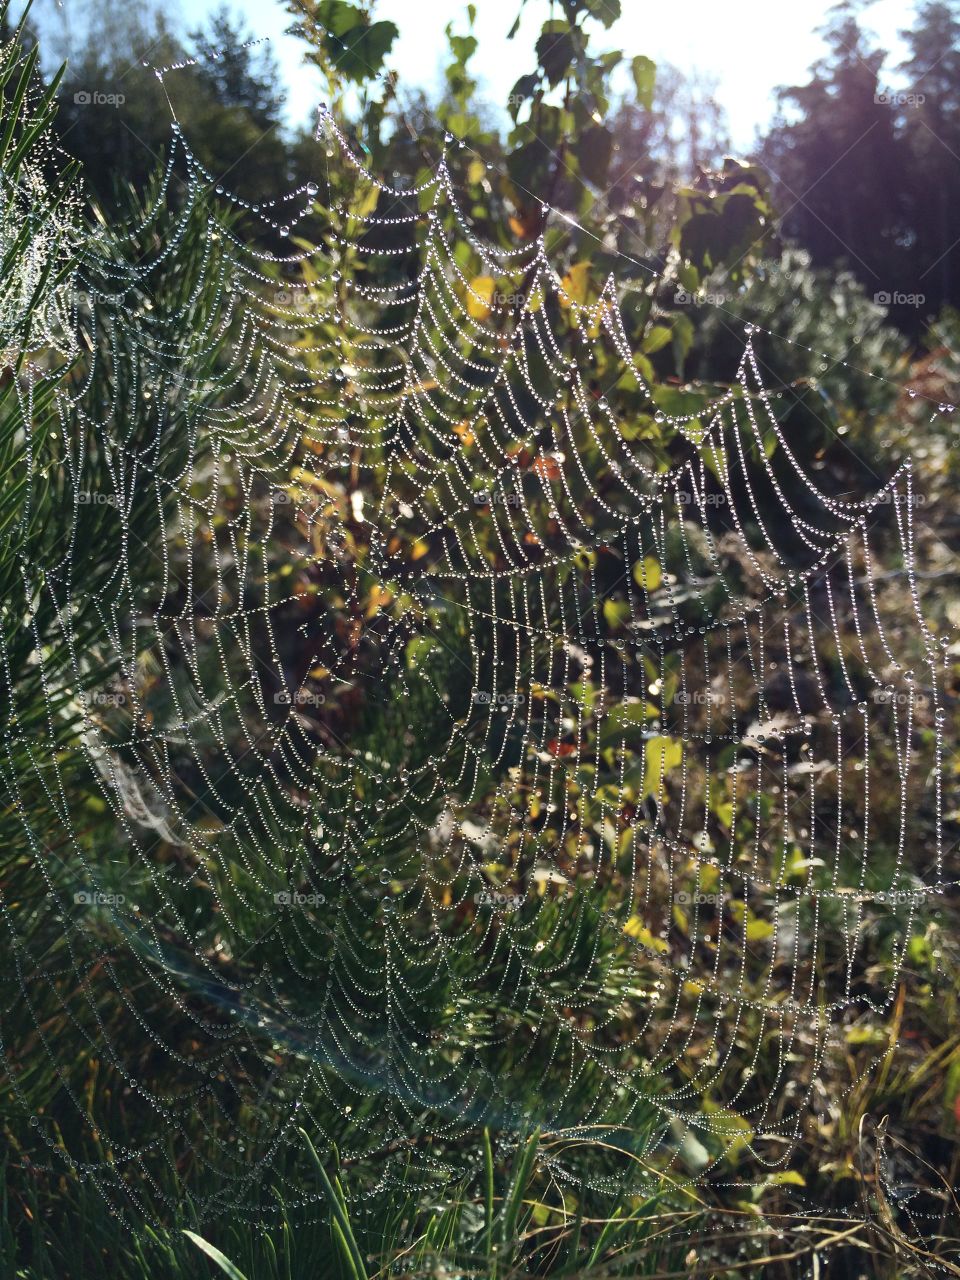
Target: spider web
[{"x": 451, "y": 742}]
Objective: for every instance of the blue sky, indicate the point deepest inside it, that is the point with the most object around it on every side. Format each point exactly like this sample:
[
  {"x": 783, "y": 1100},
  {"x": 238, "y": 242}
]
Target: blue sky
[{"x": 748, "y": 46}]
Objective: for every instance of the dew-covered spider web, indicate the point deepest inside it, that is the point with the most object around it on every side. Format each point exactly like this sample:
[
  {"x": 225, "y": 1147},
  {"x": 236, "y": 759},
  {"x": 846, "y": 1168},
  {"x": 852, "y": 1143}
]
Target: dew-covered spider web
[{"x": 468, "y": 766}]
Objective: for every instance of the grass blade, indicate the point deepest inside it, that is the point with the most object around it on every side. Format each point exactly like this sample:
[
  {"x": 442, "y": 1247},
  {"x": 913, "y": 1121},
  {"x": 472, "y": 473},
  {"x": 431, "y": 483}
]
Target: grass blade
[{"x": 214, "y": 1254}]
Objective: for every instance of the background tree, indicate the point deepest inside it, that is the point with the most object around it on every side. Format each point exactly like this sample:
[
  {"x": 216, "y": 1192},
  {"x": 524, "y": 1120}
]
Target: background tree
[
  {"x": 838, "y": 164},
  {"x": 928, "y": 124},
  {"x": 115, "y": 117}
]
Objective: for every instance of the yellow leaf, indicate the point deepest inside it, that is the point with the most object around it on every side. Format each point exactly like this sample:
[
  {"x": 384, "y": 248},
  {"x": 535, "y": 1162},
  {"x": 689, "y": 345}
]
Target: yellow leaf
[
  {"x": 616, "y": 613},
  {"x": 476, "y": 171},
  {"x": 540, "y": 1213},
  {"x": 379, "y": 597},
  {"x": 574, "y": 284},
  {"x": 428, "y": 385},
  {"x": 661, "y": 755},
  {"x": 479, "y": 296},
  {"x": 635, "y": 928},
  {"x": 709, "y": 880},
  {"x": 724, "y": 813},
  {"x": 758, "y": 931},
  {"x": 419, "y": 549},
  {"x": 367, "y": 202},
  {"x": 755, "y": 930},
  {"x": 647, "y": 573},
  {"x": 303, "y": 476}
]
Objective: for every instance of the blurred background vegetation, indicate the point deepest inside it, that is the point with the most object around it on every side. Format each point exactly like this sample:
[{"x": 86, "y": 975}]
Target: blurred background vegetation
[{"x": 825, "y": 237}]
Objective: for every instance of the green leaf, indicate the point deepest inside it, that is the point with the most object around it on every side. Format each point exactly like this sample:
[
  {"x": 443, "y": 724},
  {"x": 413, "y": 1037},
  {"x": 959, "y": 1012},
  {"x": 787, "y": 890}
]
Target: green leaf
[
  {"x": 338, "y": 17},
  {"x": 556, "y": 49},
  {"x": 656, "y": 337},
  {"x": 463, "y": 48},
  {"x": 356, "y": 46},
  {"x": 627, "y": 719},
  {"x": 644, "y": 77},
  {"x": 682, "y": 338},
  {"x": 729, "y": 1127},
  {"x": 525, "y": 88},
  {"x": 605, "y": 11},
  {"x": 690, "y": 1149},
  {"x": 418, "y": 650}
]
